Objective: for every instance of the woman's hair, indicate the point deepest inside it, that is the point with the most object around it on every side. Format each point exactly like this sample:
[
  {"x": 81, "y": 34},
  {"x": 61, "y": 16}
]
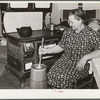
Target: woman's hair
[{"x": 79, "y": 14}]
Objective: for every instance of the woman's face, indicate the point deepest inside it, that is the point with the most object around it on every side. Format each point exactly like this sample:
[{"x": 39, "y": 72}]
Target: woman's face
[{"x": 73, "y": 22}]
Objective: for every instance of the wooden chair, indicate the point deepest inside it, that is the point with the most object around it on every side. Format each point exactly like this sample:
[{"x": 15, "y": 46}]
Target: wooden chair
[{"x": 87, "y": 82}]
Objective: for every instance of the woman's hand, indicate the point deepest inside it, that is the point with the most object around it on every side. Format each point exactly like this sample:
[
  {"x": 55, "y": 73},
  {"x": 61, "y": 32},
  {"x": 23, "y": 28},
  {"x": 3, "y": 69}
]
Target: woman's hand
[
  {"x": 81, "y": 63},
  {"x": 41, "y": 50}
]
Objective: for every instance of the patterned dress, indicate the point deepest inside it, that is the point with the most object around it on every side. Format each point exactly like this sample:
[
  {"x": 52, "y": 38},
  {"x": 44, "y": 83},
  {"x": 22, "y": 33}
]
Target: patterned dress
[{"x": 63, "y": 73}]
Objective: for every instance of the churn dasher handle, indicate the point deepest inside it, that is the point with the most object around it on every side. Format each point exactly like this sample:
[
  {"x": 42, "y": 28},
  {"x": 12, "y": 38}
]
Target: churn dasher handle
[{"x": 40, "y": 56}]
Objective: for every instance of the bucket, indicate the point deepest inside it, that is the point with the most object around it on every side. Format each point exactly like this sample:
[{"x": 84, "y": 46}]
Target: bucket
[{"x": 38, "y": 77}]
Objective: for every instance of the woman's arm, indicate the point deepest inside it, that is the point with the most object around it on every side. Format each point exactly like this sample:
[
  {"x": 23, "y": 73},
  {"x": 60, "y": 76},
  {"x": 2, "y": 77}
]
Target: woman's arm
[
  {"x": 83, "y": 60},
  {"x": 55, "y": 49},
  {"x": 94, "y": 54}
]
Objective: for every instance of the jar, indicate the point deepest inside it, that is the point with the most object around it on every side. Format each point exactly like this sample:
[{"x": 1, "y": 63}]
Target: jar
[{"x": 52, "y": 27}]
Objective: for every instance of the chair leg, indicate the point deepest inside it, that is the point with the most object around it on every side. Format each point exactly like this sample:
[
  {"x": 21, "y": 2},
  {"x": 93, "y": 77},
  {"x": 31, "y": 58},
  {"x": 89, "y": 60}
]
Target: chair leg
[
  {"x": 94, "y": 84},
  {"x": 85, "y": 83}
]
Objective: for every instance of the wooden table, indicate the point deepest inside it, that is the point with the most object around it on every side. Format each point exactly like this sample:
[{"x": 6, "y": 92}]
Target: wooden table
[{"x": 96, "y": 70}]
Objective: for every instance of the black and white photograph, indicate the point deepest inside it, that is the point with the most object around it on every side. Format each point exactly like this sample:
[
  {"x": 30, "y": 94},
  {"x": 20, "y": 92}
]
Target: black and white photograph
[{"x": 51, "y": 46}]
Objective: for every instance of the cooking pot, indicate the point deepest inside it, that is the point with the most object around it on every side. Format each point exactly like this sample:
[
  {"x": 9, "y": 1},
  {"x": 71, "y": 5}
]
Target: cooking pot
[
  {"x": 60, "y": 28},
  {"x": 24, "y": 31}
]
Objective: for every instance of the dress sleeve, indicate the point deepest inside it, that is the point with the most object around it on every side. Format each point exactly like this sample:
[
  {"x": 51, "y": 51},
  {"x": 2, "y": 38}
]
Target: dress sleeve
[
  {"x": 63, "y": 39},
  {"x": 95, "y": 40}
]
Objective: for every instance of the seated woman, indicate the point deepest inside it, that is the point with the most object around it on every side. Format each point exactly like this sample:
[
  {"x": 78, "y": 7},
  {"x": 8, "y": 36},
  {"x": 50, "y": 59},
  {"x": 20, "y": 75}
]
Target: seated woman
[{"x": 77, "y": 42}]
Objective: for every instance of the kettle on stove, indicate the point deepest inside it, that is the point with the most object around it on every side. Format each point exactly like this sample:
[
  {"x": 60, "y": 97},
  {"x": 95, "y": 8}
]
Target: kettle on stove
[{"x": 24, "y": 31}]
